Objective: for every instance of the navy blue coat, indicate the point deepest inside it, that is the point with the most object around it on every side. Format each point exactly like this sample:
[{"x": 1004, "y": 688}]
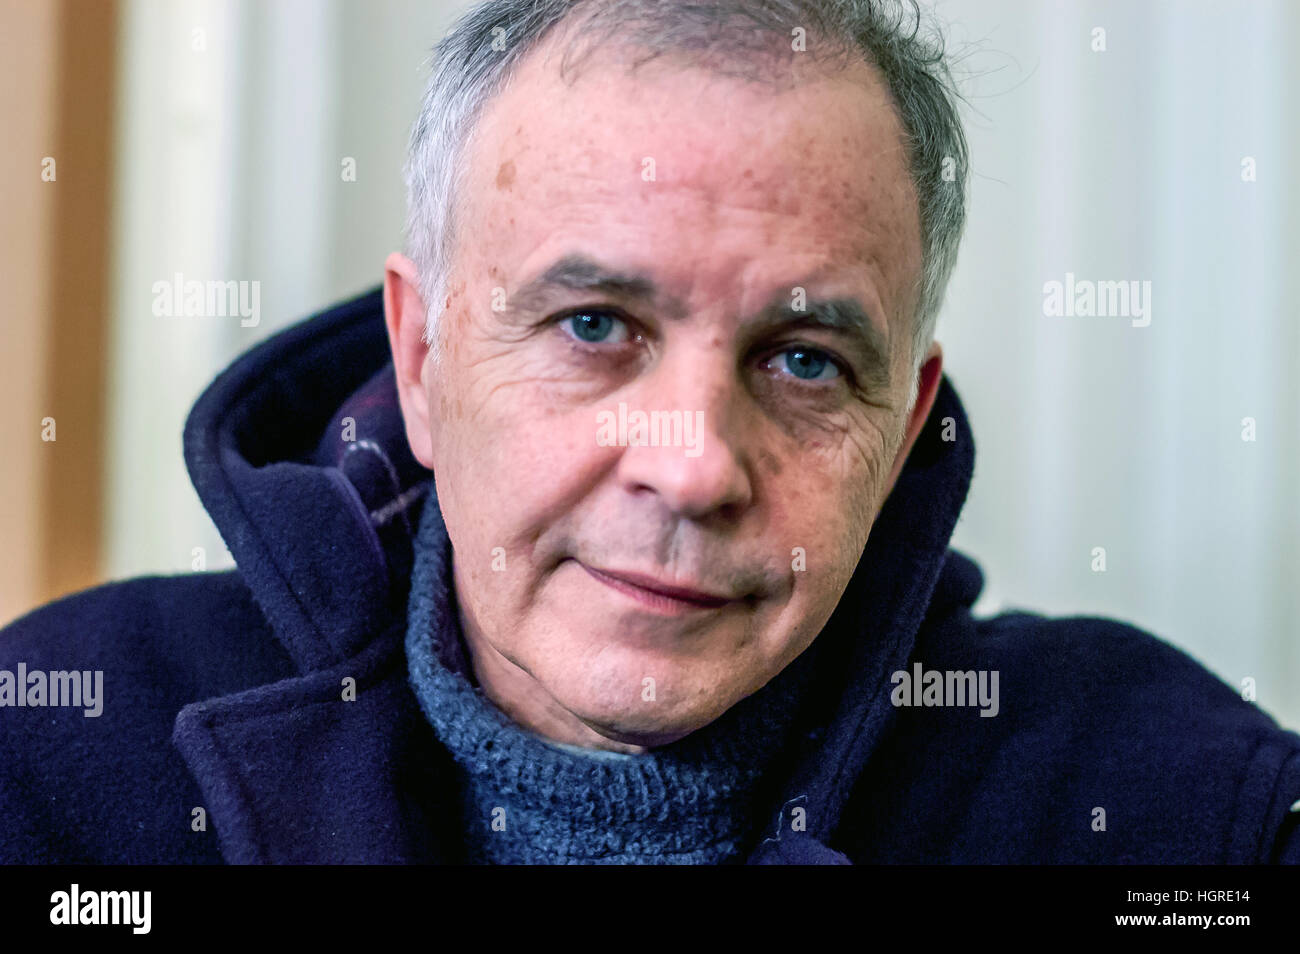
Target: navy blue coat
[{"x": 222, "y": 690}]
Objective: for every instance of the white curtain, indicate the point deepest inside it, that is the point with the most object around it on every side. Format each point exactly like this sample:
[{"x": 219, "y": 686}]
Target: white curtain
[{"x": 1133, "y": 163}]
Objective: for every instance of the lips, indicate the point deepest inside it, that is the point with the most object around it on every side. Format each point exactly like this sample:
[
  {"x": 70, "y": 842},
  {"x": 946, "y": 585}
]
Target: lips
[{"x": 638, "y": 584}]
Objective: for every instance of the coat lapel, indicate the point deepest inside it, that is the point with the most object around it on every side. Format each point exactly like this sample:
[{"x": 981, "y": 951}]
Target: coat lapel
[{"x": 298, "y": 772}]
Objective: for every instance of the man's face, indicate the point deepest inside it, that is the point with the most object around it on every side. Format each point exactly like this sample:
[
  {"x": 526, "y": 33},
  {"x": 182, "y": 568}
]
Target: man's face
[{"x": 734, "y": 212}]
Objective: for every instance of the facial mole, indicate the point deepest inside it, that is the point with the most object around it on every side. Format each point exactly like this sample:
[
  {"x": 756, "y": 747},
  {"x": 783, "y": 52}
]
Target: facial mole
[
  {"x": 506, "y": 175},
  {"x": 773, "y": 463}
]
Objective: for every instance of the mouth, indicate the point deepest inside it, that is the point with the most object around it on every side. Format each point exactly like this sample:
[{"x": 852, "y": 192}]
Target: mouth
[{"x": 661, "y": 597}]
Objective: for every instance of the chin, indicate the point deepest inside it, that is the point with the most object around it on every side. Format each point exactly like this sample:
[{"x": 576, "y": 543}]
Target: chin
[
  {"x": 646, "y": 736},
  {"x": 649, "y": 724}
]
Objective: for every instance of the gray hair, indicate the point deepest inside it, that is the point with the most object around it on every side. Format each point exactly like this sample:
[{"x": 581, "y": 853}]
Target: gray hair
[{"x": 477, "y": 58}]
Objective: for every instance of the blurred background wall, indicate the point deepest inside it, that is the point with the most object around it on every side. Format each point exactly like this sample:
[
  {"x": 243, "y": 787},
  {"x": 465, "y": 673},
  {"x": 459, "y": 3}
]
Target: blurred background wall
[
  {"x": 58, "y": 64},
  {"x": 208, "y": 137}
]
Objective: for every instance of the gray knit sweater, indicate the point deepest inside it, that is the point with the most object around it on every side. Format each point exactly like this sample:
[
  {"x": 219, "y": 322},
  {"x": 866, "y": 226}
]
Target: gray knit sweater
[{"x": 526, "y": 800}]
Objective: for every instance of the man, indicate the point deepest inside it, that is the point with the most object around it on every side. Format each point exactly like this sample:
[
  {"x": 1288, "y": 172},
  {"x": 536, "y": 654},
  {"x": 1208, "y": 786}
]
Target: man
[{"x": 679, "y": 588}]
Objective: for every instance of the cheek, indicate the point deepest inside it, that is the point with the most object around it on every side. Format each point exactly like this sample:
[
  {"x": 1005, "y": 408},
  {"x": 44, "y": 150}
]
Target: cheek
[
  {"x": 823, "y": 505},
  {"x": 828, "y": 485},
  {"x": 513, "y": 470},
  {"x": 820, "y": 530}
]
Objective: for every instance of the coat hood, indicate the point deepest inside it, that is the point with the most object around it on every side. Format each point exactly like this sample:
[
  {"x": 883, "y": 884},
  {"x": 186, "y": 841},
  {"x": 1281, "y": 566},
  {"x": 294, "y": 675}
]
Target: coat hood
[{"x": 298, "y": 451}]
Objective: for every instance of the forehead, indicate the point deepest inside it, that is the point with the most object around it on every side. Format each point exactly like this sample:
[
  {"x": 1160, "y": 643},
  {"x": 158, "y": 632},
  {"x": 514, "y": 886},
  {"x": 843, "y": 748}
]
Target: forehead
[{"x": 682, "y": 165}]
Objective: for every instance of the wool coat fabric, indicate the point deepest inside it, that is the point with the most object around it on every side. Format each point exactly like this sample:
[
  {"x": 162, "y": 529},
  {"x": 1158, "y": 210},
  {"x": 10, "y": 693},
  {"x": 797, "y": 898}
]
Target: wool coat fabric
[{"x": 265, "y": 714}]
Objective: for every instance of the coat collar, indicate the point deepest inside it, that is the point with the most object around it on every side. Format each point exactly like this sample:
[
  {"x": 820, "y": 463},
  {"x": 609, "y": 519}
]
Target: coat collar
[
  {"x": 298, "y": 452},
  {"x": 299, "y": 455}
]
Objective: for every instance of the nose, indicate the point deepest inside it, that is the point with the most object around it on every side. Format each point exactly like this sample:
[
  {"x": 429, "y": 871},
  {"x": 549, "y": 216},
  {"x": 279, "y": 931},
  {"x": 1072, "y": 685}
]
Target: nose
[{"x": 699, "y": 468}]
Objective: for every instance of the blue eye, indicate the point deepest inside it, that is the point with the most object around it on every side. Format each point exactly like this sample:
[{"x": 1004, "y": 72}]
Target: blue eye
[
  {"x": 594, "y": 327},
  {"x": 808, "y": 364}
]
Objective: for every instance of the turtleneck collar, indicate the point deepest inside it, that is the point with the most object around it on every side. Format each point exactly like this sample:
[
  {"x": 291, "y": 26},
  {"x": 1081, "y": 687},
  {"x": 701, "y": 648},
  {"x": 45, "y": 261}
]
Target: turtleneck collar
[{"x": 526, "y": 799}]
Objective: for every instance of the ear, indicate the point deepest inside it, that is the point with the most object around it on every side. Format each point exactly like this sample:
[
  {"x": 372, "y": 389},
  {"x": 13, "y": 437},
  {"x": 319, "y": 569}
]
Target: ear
[
  {"x": 404, "y": 316},
  {"x": 927, "y": 389}
]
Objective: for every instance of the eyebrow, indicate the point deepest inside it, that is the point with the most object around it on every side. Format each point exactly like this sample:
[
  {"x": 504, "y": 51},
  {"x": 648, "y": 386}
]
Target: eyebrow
[
  {"x": 844, "y": 316},
  {"x": 576, "y": 273}
]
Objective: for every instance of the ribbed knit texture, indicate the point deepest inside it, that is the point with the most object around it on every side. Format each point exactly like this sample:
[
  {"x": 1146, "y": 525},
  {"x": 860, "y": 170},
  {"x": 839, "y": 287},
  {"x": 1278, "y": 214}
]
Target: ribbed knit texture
[{"x": 691, "y": 802}]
